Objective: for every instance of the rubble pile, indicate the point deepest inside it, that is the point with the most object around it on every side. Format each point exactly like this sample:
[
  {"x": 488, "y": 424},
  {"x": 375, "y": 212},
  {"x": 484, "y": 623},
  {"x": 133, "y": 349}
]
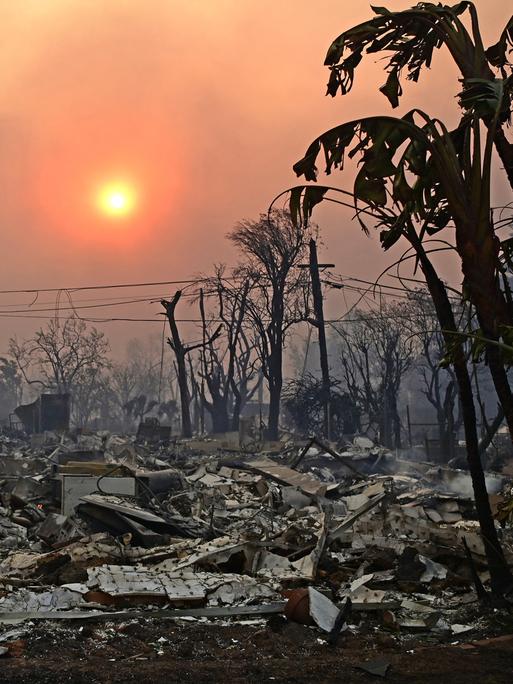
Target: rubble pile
[{"x": 100, "y": 524}]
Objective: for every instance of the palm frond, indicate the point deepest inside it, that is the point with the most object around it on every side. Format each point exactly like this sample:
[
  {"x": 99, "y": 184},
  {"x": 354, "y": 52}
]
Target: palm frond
[{"x": 411, "y": 36}]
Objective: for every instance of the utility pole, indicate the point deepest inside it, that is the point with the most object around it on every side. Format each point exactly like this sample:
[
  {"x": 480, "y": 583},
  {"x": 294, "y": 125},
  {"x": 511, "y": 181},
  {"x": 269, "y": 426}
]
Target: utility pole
[
  {"x": 321, "y": 331},
  {"x": 260, "y": 406}
]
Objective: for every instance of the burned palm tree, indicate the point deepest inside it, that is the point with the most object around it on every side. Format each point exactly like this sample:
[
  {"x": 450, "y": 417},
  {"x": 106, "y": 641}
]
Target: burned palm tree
[{"x": 417, "y": 178}]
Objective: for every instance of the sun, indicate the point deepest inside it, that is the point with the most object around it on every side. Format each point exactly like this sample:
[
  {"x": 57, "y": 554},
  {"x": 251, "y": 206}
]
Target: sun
[{"x": 117, "y": 200}]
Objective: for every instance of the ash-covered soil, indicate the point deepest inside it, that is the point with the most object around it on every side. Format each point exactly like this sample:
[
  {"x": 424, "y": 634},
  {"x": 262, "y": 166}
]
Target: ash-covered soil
[{"x": 265, "y": 650}]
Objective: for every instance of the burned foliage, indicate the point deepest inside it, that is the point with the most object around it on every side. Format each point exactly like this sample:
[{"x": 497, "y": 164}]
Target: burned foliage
[{"x": 304, "y": 402}]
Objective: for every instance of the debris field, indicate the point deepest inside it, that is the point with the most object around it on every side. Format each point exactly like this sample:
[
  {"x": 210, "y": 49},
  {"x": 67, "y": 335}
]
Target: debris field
[{"x": 131, "y": 552}]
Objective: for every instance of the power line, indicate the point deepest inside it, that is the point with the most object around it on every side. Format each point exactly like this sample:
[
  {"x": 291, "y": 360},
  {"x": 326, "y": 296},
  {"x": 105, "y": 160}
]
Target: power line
[
  {"x": 78, "y": 306},
  {"x": 92, "y": 320},
  {"x": 58, "y": 308},
  {"x": 154, "y": 297},
  {"x": 30, "y": 312},
  {"x": 377, "y": 286},
  {"x": 102, "y": 287},
  {"x": 111, "y": 286},
  {"x": 367, "y": 316},
  {"x": 148, "y": 296},
  {"x": 189, "y": 281}
]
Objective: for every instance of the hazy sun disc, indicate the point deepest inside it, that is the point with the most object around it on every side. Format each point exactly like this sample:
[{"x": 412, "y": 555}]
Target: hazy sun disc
[{"x": 117, "y": 200}]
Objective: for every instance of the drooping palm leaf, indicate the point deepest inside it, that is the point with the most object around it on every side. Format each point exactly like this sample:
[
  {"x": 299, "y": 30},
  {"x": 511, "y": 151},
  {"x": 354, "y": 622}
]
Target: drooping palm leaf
[
  {"x": 497, "y": 54},
  {"x": 401, "y": 162},
  {"x": 411, "y": 36}
]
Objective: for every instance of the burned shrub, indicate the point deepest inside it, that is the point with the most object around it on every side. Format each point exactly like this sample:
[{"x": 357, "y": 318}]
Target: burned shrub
[{"x": 304, "y": 400}]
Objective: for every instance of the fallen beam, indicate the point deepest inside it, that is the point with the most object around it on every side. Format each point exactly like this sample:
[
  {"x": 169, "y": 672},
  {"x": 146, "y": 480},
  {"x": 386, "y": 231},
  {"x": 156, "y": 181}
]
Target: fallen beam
[{"x": 351, "y": 519}]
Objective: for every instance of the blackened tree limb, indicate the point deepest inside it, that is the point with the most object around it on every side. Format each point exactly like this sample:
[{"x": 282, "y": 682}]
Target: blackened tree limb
[{"x": 181, "y": 350}]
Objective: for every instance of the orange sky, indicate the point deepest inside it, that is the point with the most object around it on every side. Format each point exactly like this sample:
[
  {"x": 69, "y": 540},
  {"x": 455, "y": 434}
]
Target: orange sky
[{"x": 203, "y": 105}]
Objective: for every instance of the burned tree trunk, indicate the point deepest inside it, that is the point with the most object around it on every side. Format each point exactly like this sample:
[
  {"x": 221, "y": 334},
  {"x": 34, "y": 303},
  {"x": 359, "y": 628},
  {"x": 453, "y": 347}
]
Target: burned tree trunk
[
  {"x": 237, "y": 408},
  {"x": 219, "y": 413},
  {"x": 180, "y": 352},
  {"x": 216, "y": 373},
  {"x": 445, "y": 419},
  {"x": 478, "y": 247},
  {"x": 500, "y": 574},
  {"x": 218, "y": 405},
  {"x": 275, "y": 382},
  {"x": 245, "y": 372},
  {"x": 395, "y": 420}
]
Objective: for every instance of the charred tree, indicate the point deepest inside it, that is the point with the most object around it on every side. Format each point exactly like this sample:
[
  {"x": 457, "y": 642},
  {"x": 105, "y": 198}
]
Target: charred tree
[
  {"x": 228, "y": 367},
  {"x": 375, "y": 354},
  {"x": 181, "y": 351},
  {"x": 273, "y": 246}
]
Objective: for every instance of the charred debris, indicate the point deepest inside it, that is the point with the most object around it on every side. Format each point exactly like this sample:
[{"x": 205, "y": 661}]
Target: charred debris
[{"x": 339, "y": 536}]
